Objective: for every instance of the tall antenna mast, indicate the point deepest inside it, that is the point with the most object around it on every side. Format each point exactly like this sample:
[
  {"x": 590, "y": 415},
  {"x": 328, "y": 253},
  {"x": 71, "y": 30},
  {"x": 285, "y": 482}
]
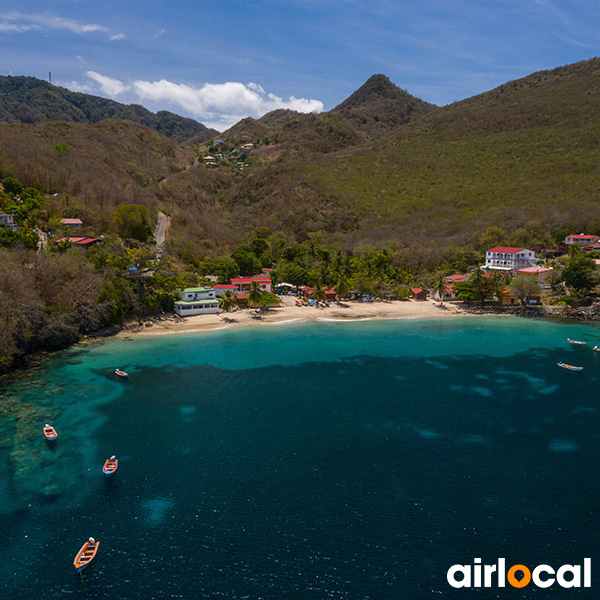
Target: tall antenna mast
[{"x": 50, "y": 77}]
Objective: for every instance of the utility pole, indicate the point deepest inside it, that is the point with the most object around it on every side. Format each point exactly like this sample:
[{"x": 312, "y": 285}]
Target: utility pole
[{"x": 50, "y": 77}]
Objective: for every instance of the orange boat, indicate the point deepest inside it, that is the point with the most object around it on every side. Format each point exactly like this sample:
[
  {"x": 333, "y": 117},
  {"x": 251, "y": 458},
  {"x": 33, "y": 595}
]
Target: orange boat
[
  {"x": 120, "y": 373},
  {"x": 86, "y": 554},
  {"x": 50, "y": 432},
  {"x": 110, "y": 466}
]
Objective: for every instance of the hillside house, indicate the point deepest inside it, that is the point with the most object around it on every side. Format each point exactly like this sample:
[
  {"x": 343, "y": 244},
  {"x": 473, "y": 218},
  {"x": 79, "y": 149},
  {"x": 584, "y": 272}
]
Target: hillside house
[
  {"x": 218, "y": 142},
  {"x": 581, "y": 239},
  {"x": 197, "y": 301},
  {"x": 209, "y": 160},
  {"x": 79, "y": 240},
  {"x": 8, "y": 221},
  {"x": 248, "y": 147},
  {"x": 503, "y": 258},
  {"x": 543, "y": 275},
  {"x": 72, "y": 223}
]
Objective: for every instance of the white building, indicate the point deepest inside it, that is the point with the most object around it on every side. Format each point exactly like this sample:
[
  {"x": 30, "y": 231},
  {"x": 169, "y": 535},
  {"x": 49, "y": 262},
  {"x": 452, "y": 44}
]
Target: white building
[
  {"x": 197, "y": 301},
  {"x": 8, "y": 221},
  {"x": 581, "y": 239},
  {"x": 502, "y": 258}
]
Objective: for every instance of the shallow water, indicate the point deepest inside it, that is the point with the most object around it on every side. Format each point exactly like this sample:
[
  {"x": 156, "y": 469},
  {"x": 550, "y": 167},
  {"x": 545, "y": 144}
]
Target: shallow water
[{"x": 324, "y": 460}]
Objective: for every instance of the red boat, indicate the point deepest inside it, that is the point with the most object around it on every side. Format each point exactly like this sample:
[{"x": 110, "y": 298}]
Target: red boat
[
  {"x": 110, "y": 466},
  {"x": 50, "y": 432},
  {"x": 86, "y": 554},
  {"x": 120, "y": 373}
]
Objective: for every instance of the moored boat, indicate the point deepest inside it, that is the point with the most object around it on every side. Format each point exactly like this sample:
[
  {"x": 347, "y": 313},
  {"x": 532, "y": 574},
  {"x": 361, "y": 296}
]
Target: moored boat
[
  {"x": 576, "y": 342},
  {"x": 120, "y": 373},
  {"x": 596, "y": 348},
  {"x": 50, "y": 432},
  {"x": 569, "y": 367},
  {"x": 110, "y": 466},
  {"x": 86, "y": 554}
]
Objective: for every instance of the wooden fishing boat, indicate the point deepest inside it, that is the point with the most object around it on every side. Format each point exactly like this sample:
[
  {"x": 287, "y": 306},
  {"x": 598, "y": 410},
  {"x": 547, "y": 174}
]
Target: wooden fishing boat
[
  {"x": 110, "y": 466},
  {"x": 86, "y": 554},
  {"x": 563, "y": 365},
  {"x": 50, "y": 432},
  {"x": 120, "y": 373},
  {"x": 596, "y": 348},
  {"x": 576, "y": 342}
]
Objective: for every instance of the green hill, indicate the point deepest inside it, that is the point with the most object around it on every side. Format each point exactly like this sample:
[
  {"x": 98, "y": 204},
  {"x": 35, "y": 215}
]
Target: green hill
[{"x": 31, "y": 100}]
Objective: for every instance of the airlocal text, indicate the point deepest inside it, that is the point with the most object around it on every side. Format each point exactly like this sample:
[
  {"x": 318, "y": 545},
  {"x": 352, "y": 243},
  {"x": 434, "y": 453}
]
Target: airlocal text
[{"x": 519, "y": 576}]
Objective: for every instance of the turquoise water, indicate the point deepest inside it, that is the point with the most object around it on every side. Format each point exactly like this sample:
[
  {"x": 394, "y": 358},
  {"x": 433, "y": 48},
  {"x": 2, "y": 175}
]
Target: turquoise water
[{"x": 328, "y": 460}]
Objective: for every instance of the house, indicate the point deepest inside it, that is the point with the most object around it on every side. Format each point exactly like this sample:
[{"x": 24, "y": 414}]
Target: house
[
  {"x": 449, "y": 293},
  {"x": 72, "y": 223},
  {"x": 79, "y": 240},
  {"x": 308, "y": 292},
  {"x": 8, "y": 221},
  {"x": 197, "y": 301},
  {"x": 592, "y": 248},
  {"x": 418, "y": 294},
  {"x": 248, "y": 147},
  {"x": 243, "y": 283},
  {"x": 581, "y": 239},
  {"x": 218, "y": 142},
  {"x": 458, "y": 277},
  {"x": 543, "y": 275},
  {"x": 502, "y": 258},
  {"x": 506, "y": 298},
  {"x": 209, "y": 160}
]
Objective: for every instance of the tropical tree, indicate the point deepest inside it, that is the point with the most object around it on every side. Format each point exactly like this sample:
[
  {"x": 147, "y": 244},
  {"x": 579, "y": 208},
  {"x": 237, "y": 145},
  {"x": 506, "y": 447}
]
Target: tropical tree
[
  {"x": 440, "y": 287},
  {"x": 227, "y": 301},
  {"x": 132, "y": 221},
  {"x": 479, "y": 283},
  {"x": 254, "y": 294},
  {"x": 580, "y": 273},
  {"x": 524, "y": 286},
  {"x": 342, "y": 287}
]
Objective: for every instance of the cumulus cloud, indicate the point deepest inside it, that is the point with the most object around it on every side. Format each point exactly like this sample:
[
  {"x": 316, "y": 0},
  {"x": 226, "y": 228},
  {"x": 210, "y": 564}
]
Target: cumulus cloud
[
  {"x": 220, "y": 105},
  {"x": 19, "y": 22},
  {"x": 108, "y": 85},
  {"x": 216, "y": 105}
]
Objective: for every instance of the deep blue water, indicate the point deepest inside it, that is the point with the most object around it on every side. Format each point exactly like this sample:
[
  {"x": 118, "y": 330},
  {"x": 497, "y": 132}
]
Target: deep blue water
[{"x": 317, "y": 461}]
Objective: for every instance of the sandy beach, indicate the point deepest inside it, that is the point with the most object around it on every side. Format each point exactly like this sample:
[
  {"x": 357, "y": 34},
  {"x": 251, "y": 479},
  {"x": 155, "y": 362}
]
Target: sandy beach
[{"x": 288, "y": 312}]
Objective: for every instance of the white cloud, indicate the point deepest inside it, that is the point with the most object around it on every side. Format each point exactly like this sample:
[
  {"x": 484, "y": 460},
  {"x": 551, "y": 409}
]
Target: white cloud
[
  {"x": 110, "y": 86},
  {"x": 216, "y": 105},
  {"x": 119, "y": 36},
  {"x": 20, "y": 22},
  {"x": 158, "y": 33},
  {"x": 220, "y": 105}
]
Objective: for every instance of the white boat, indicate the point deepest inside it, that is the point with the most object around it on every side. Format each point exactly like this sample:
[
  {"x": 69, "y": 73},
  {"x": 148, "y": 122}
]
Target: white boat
[
  {"x": 120, "y": 373},
  {"x": 563, "y": 365},
  {"x": 576, "y": 342},
  {"x": 596, "y": 348}
]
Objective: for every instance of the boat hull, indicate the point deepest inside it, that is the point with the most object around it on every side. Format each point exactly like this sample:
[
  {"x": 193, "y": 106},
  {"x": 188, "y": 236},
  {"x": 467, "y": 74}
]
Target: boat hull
[{"x": 85, "y": 556}]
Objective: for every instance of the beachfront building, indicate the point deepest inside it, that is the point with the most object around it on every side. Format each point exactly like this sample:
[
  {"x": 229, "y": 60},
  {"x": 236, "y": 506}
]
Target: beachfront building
[
  {"x": 508, "y": 298},
  {"x": 581, "y": 239},
  {"x": 418, "y": 294},
  {"x": 543, "y": 275},
  {"x": 448, "y": 294},
  {"x": 243, "y": 283},
  {"x": 503, "y": 258},
  {"x": 197, "y": 301}
]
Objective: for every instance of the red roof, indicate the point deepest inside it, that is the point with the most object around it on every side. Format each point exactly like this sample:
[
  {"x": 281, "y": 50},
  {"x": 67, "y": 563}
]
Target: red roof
[
  {"x": 527, "y": 270},
  {"x": 457, "y": 277},
  {"x": 416, "y": 290},
  {"x": 224, "y": 286},
  {"x": 82, "y": 240},
  {"x": 258, "y": 279},
  {"x": 505, "y": 249},
  {"x": 582, "y": 236}
]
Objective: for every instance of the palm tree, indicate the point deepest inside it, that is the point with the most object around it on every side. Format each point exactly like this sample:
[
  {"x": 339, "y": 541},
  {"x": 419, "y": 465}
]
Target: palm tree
[
  {"x": 342, "y": 288},
  {"x": 227, "y": 301},
  {"x": 479, "y": 283},
  {"x": 254, "y": 294},
  {"x": 440, "y": 287}
]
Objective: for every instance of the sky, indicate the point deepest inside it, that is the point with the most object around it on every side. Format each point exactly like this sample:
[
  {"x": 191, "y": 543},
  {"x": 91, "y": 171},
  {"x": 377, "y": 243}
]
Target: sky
[{"x": 218, "y": 62}]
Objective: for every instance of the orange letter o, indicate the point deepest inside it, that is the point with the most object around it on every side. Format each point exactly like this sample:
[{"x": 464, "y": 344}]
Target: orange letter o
[{"x": 514, "y": 581}]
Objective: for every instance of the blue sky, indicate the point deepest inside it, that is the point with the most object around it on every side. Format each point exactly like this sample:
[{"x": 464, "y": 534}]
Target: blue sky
[{"x": 219, "y": 62}]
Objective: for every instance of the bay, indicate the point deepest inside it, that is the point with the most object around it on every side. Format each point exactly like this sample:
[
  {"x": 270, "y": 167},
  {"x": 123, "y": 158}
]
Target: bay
[{"x": 324, "y": 460}]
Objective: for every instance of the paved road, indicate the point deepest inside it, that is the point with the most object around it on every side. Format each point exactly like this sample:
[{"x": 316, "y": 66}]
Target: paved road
[{"x": 160, "y": 231}]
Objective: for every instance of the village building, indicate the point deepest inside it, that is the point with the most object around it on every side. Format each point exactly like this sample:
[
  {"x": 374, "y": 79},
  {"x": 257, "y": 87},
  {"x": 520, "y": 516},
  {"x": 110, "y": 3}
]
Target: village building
[
  {"x": 581, "y": 239},
  {"x": 197, "y": 301},
  {"x": 543, "y": 275},
  {"x": 418, "y": 294},
  {"x": 448, "y": 294},
  {"x": 79, "y": 240},
  {"x": 503, "y": 258},
  {"x": 8, "y": 221},
  {"x": 72, "y": 223},
  {"x": 243, "y": 283}
]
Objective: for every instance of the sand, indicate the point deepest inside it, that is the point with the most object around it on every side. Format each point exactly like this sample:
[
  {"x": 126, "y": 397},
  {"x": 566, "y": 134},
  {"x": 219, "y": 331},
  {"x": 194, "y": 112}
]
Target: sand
[{"x": 290, "y": 313}]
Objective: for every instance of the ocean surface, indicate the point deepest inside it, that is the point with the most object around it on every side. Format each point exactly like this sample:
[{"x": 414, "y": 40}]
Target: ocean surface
[{"x": 325, "y": 460}]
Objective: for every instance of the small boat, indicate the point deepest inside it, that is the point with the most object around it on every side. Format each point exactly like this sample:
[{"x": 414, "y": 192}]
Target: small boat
[
  {"x": 110, "y": 466},
  {"x": 86, "y": 554},
  {"x": 50, "y": 432},
  {"x": 569, "y": 367},
  {"x": 596, "y": 348},
  {"x": 120, "y": 373},
  {"x": 576, "y": 342}
]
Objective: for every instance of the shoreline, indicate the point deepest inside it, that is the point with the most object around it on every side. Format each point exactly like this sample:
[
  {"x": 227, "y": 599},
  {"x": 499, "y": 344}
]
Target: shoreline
[{"x": 289, "y": 313}]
